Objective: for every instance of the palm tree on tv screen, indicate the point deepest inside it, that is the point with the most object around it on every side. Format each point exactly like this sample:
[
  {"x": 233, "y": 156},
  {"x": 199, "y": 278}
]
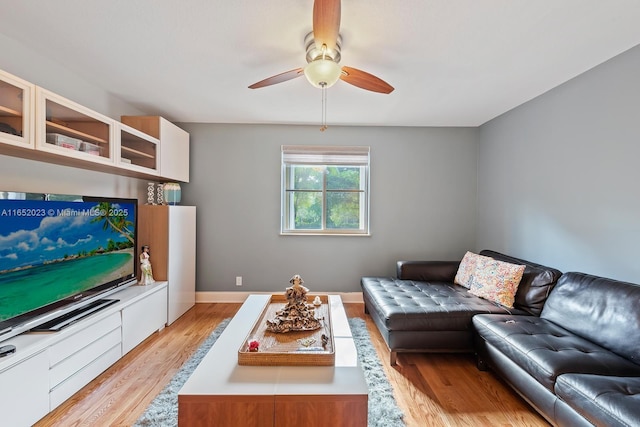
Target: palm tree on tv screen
[{"x": 115, "y": 219}]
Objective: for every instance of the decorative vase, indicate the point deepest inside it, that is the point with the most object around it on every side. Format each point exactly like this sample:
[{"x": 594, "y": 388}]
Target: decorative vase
[
  {"x": 172, "y": 193},
  {"x": 159, "y": 194},
  {"x": 151, "y": 193}
]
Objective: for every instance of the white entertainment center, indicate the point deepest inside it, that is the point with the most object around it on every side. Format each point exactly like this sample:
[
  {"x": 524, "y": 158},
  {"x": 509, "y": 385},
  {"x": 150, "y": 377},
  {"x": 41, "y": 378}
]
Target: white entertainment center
[{"x": 48, "y": 368}]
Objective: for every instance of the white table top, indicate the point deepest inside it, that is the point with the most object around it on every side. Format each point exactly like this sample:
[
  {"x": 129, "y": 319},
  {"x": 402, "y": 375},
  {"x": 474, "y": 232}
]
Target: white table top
[{"x": 220, "y": 374}]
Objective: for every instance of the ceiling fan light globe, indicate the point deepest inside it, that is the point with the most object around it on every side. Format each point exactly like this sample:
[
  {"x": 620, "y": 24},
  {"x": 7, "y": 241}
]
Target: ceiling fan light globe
[{"x": 322, "y": 72}]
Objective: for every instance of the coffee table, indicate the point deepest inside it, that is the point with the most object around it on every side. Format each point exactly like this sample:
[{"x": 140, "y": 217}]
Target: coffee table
[{"x": 222, "y": 393}]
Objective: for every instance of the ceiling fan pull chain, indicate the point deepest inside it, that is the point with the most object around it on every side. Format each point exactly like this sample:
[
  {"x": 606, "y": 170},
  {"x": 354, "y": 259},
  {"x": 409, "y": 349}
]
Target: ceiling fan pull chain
[{"x": 323, "y": 127}]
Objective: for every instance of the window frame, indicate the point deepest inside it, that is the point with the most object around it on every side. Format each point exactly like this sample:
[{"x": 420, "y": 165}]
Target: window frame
[{"x": 325, "y": 157}]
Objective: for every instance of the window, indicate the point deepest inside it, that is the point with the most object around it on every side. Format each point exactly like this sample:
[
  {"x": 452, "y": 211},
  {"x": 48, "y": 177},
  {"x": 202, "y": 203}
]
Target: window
[{"x": 325, "y": 190}]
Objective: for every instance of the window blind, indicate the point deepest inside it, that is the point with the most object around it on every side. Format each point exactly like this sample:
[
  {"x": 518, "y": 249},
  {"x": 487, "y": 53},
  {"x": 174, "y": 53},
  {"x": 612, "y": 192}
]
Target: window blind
[{"x": 325, "y": 155}]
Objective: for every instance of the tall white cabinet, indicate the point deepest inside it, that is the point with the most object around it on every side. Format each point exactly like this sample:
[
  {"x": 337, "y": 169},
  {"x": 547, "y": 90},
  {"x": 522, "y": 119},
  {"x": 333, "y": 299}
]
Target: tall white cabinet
[{"x": 170, "y": 232}]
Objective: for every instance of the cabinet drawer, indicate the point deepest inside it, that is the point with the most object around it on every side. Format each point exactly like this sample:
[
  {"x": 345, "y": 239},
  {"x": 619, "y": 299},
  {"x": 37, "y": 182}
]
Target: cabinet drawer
[
  {"x": 66, "y": 389},
  {"x": 83, "y": 338},
  {"x": 76, "y": 362},
  {"x": 24, "y": 391}
]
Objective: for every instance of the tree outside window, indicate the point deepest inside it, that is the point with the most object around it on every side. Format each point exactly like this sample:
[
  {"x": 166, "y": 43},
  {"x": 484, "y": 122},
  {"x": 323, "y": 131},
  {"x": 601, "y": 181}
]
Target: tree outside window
[{"x": 325, "y": 190}]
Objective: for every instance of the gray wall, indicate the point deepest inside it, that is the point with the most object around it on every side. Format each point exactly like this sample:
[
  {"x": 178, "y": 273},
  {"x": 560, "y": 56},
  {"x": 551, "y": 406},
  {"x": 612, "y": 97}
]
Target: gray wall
[
  {"x": 557, "y": 183},
  {"x": 423, "y": 198},
  {"x": 558, "y": 177}
]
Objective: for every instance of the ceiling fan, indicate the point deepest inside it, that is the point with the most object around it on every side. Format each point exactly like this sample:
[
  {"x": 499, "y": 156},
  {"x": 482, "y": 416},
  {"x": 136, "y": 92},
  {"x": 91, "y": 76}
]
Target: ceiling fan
[{"x": 323, "y": 46}]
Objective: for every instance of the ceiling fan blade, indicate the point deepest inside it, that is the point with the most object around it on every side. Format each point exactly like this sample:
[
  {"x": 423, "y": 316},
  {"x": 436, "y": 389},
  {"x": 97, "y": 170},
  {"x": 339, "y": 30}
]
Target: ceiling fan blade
[
  {"x": 326, "y": 22},
  {"x": 278, "y": 78},
  {"x": 364, "y": 80}
]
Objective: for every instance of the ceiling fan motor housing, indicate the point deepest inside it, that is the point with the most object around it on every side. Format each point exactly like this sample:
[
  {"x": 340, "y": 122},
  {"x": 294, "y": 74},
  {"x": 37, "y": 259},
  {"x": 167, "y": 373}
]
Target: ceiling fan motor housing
[{"x": 314, "y": 52}]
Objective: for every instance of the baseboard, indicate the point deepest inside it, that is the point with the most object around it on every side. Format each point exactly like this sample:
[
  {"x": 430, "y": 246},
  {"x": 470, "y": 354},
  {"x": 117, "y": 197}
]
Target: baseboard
[{"x": 239, "y": 297}]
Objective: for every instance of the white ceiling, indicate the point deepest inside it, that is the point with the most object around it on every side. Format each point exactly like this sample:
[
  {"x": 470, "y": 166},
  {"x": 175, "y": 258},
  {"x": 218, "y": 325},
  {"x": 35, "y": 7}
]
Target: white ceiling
[{"x": 452, "y": 62}]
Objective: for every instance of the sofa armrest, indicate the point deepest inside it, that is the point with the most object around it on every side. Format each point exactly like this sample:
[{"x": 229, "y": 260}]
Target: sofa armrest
[{"x": 436, "y": 271}]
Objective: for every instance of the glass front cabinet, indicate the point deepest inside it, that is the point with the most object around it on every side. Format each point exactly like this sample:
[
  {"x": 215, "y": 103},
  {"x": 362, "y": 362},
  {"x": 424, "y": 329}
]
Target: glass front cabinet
[
  {"x": 69, "y": 129},
  {"x": 16, "y": 120},
  {"x": 137, "y": 151},
  {"x": 41, "y": 125}
]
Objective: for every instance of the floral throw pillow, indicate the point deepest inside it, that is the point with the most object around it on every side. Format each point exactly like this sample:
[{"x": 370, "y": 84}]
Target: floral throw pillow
[
  {"x": 497, "y": 281},
  {"x": 467, "y": 268}
]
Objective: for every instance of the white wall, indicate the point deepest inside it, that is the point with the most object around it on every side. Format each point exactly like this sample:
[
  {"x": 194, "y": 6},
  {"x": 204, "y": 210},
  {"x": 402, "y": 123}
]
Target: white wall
[
  {"x": 30, "y": 176},
  {"x": 558, "y": 177},
  {"x": 36, "y": 68},
  {"x": 24, "y": 175},
  {"x": 423, "y": 192}
]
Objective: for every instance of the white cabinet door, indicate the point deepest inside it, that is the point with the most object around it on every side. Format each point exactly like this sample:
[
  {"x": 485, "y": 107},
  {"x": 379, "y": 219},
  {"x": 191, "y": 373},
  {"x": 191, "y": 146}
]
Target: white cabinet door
[
  {"x": 16, "y": 115},
  {"x": 174, "y": 152},
  {"x": 24, "y": 391},
  {"x": 68, "y": 129},
  {"x": 143, "y": 318},
  {"x": 182, "y": 260}
]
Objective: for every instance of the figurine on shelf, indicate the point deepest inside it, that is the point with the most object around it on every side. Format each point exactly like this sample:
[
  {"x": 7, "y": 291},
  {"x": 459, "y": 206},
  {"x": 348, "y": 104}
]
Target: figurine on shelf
[{"x": 146, "y": 274}]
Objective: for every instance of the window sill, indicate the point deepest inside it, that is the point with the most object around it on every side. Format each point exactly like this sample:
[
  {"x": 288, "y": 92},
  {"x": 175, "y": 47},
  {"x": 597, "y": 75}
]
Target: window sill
[{"x": 311, "y": 233}]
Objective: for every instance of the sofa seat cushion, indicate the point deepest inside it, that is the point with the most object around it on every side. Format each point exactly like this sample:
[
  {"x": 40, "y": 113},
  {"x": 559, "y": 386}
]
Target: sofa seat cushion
[
  {"x": 407, "y": 305},
  {"x": 603, "y": 400},
  {"x": 546, "y": 350}
]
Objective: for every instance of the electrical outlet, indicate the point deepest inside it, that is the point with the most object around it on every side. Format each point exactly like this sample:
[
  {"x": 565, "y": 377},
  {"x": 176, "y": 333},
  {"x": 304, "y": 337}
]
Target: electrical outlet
[{"x": 238, "y": 280}]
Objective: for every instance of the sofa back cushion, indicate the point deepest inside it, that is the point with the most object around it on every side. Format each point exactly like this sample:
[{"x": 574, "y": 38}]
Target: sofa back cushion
[
  {"x": 535, "y": 285},
  {"x": 604, "y": 311}
]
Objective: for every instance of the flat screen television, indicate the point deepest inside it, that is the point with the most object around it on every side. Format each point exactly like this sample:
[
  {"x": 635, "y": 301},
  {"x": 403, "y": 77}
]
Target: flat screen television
[{"x": 59, "y": 253}]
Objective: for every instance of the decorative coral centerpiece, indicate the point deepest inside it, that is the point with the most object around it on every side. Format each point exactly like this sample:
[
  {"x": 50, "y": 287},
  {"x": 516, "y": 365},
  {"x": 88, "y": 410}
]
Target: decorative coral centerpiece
[{"x": 297, "y": 315}]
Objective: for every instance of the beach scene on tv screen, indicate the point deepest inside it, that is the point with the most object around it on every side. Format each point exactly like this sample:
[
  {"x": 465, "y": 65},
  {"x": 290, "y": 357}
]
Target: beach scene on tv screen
[{"x": 52, "y": 250}]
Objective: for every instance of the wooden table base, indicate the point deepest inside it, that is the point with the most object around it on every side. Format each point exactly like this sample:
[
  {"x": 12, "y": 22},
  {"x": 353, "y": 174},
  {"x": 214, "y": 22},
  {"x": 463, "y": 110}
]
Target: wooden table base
[{"x": 280, "y": 411}]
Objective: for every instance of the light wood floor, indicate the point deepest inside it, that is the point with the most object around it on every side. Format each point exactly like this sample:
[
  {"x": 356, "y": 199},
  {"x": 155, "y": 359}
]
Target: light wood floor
[{"x": 431, "y": 389}]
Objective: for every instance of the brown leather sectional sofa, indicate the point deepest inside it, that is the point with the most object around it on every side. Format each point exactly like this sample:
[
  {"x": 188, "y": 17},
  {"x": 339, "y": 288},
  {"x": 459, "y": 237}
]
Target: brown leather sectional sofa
[{"x": 570, "y": 346}]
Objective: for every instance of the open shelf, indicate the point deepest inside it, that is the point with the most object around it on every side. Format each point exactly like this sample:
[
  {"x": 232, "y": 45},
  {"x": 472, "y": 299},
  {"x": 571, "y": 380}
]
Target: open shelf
[
  {"x": 135, "y": 153},
  {"x": 5, "y": 111},
  {"x": 75, "y": 133}
]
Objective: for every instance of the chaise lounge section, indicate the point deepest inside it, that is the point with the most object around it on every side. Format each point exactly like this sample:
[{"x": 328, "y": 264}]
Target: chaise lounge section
[{"x": 423, "y": 310}]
